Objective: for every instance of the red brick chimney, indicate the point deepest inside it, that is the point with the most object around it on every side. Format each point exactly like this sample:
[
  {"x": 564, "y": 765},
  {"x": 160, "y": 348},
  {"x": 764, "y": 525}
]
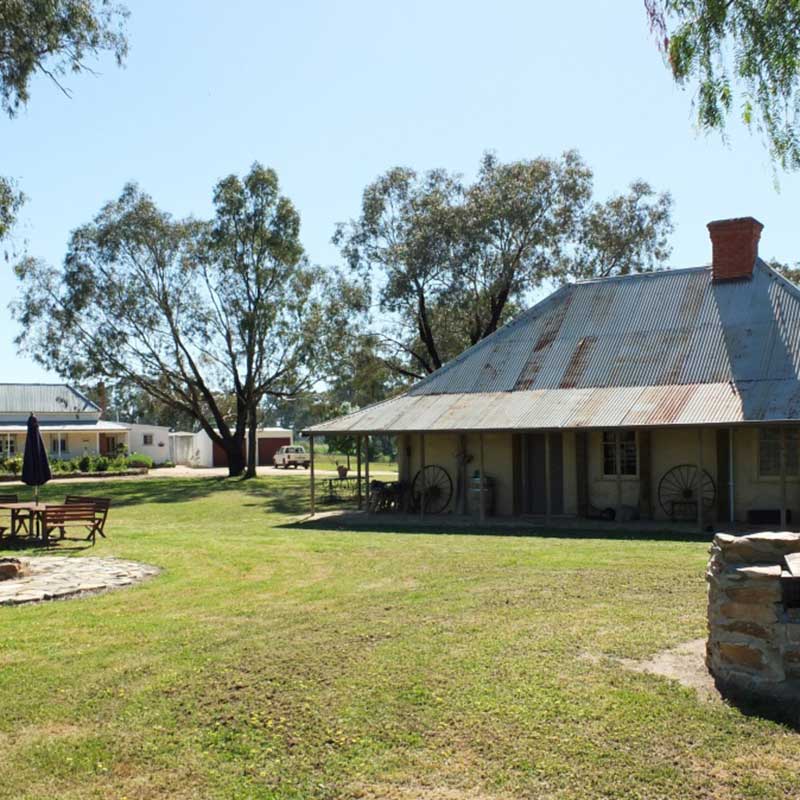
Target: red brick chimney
[{"x": 734, "y": 247}]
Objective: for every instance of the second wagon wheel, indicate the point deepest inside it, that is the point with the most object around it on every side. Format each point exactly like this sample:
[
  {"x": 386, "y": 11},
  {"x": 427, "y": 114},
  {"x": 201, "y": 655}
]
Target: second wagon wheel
[
  {"x": 679, "y": 490},
  {"x": 438, "y": 489}
]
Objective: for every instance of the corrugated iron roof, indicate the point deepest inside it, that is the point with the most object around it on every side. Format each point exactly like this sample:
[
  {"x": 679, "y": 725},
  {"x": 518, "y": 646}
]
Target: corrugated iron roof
[
  {"x": 602, "y": 407},
  {"x": 657, "y": 329},
  {"x": 664, "y": 348},
  {"x": 43, "y": 398}
]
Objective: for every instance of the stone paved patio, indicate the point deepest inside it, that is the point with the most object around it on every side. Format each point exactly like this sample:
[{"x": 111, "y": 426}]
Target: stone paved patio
[{"x": 53, "y": 577}]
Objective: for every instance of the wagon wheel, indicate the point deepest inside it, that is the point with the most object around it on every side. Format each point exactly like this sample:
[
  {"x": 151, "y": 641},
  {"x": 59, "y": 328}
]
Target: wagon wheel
[
  {"x": 438, "y": 489},
  {"x": 680, "y": 485}
]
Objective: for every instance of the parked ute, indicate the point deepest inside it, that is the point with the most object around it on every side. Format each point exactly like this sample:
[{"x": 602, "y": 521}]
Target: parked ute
[{"x": 291, "y": 456}]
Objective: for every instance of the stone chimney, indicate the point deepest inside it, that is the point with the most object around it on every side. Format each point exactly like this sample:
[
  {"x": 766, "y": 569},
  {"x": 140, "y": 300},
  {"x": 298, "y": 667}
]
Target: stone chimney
[{"x": 734, "y": 247}]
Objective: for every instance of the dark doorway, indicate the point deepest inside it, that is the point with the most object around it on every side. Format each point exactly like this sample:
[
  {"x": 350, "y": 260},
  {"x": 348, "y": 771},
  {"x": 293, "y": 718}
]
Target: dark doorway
[
  {"x": 534, "y": 499},
  {"x": 723, "y": 473}
]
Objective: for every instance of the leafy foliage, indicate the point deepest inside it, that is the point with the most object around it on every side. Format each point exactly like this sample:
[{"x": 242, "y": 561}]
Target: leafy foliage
[
  {"x": 126, "y": 402},
  {"x": 206, "y": 318},
  {"x": 54, "y": 38},
  {"x": 51, "y": 37},
  {"x": 789, "y": 271},
  {"x": 11, "y": 200},
  {"x": 740, "y": 54},
  {"x": 452, "y": 261}
]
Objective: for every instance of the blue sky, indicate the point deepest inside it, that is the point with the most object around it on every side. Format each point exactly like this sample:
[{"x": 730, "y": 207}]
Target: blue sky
[{"x": 331, "y": 94}]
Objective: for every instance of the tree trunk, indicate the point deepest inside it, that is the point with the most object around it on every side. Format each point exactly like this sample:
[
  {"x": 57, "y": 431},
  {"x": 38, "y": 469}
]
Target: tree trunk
[
  {"x": 234, "y": 447},
  {"x": 252, "y": 443}
]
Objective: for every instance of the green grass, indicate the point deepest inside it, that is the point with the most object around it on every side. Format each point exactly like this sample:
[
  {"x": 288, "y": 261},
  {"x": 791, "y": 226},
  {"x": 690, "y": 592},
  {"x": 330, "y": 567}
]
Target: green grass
[
  {"x": 273, "y": 661},
  {"x": 329, "y": 460}
]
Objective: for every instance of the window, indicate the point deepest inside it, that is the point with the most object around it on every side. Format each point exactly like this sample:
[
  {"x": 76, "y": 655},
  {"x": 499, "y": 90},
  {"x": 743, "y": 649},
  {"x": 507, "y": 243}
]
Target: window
[
  {"x": 147, "y": 439},
  {"x": 769, "y": 452},
  {"x": 622, "y": 444},
  {"x": 54, "y": 446}
]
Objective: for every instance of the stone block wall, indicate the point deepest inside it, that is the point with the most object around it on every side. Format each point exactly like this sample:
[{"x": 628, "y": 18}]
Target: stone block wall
[{"x": 753, "y": 648}]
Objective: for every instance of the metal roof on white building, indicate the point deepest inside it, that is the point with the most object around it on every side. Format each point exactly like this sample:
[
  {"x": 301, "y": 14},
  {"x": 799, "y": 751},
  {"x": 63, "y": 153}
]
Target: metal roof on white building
[{"x": 44, "y": 398}]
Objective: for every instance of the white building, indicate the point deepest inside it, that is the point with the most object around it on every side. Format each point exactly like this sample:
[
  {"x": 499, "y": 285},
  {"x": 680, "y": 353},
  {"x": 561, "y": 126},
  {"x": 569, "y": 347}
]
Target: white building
[
  {"x": 198, "y": 450},
  {"x": 150, "y": 440},
  {"x": 70, "y": 424}
]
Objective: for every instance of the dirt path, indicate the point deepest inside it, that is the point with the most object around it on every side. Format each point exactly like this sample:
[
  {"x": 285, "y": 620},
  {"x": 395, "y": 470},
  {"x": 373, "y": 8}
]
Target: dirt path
[
  {"x": 684, "y": 663},
  {"x": 206, "y": 472}
]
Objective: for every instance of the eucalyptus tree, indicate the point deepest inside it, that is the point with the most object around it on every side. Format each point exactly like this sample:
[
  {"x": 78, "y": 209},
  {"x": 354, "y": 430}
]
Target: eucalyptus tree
[
  {"x": 54, "y": 38},
  {"x": 205, "y": 317},
  {"x": 51, "y": 38},
  {"x": 10, "y": 201},
  {"x": 741, "y": 56},
  {"x": 452, "y": 261}
]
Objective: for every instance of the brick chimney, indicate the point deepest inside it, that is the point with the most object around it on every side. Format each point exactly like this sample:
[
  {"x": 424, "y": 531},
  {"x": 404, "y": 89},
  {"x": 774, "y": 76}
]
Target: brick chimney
[{"x": 734, "y": 247}]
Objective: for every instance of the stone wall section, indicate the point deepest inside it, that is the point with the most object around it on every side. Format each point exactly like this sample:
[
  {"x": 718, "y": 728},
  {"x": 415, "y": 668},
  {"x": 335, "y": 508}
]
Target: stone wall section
[{"x": 753, "y": 638}]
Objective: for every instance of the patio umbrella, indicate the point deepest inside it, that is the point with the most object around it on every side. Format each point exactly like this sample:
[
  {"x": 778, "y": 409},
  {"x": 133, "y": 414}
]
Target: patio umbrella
[{"x": 35, "y": 466}]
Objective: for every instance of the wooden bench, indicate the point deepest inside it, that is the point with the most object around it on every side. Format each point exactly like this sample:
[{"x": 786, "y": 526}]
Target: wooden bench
[
  {"x": 7, "y": 498},
  {"x": 88, "y": 512}
]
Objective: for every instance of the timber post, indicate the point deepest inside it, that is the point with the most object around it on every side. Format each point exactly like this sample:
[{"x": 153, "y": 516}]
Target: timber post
[
  {"x": 422, "y": 475},
  {"x": 358, "y": 473},
  {"x": 366, "y": 470},
  {"x": 548, "y": 498},
  {"x": 700, "y": 477},
  {"x": 618, "y": 455},
  {"x": 731, "y": 482},
  {"x": 783, "y": 478},
  {"x": 311, "y": 459},
  {"x": 483, "y": 483}
]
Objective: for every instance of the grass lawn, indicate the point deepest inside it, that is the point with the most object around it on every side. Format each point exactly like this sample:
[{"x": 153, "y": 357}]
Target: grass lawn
[
  {"x": 269, "y": 661},
  {"x": 328, "y": 461}
]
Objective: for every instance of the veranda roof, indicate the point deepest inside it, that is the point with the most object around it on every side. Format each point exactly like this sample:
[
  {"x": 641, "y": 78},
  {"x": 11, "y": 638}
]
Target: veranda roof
[
  {"x": 665, "y": 348},
  {"x": 89, "y": 426}
]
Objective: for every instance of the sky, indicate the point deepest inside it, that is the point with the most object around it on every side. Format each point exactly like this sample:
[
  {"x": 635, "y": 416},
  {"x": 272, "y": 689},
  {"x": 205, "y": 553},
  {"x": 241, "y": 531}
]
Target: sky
[{"x": 332, "y": 94}]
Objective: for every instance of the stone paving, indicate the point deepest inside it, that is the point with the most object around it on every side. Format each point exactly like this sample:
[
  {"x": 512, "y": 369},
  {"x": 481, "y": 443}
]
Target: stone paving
[{"x": 54, "y": 577}]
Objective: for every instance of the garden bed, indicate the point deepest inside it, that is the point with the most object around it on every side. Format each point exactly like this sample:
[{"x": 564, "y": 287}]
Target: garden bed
[{"x": 56, "y": 476}]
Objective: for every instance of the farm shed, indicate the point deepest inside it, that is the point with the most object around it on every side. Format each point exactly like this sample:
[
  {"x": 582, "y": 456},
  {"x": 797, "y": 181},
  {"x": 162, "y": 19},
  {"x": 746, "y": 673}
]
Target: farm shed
[
  {"x": 671, "y": 395},
  {"x": 198, "y": 449}
]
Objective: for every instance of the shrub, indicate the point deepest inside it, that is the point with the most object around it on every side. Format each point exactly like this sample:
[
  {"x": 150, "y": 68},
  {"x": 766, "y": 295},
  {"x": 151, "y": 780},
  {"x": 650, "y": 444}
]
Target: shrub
[
  {"x": 85, "y": 463},
  {"x": 100, "y": 464},
  {"x": 118, "y": 464},
  {"x": 14, "y": 465},
  {"x": 139, "y": 460}
]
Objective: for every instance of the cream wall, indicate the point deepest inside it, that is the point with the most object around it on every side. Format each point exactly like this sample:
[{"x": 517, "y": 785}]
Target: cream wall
[
  {"x": 442, "y": 449},
  {"x": 751, "y": 491},
  {"x": 77, "y": 444},
  {"x": 570, "y": 476},
  {"x": 669, "y": 448}
]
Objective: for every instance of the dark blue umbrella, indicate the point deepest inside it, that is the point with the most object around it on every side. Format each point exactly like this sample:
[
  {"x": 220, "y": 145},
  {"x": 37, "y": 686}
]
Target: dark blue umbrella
[{"x": 35, "y": 466}]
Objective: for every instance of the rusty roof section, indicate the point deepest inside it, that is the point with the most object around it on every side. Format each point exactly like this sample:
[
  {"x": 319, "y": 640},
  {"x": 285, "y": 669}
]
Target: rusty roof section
[{"x": 664, "y": 348}]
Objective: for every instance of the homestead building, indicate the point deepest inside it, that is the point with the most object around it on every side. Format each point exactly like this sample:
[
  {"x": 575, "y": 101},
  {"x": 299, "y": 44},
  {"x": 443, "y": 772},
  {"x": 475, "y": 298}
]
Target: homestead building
[
  {"x": 71, "y": 425},
  {"x": 622, "y": 397}
]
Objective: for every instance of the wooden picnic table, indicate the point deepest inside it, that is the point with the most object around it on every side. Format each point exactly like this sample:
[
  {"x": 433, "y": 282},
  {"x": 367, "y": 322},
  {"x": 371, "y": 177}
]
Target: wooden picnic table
[{"x": 32, "y": 511}]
